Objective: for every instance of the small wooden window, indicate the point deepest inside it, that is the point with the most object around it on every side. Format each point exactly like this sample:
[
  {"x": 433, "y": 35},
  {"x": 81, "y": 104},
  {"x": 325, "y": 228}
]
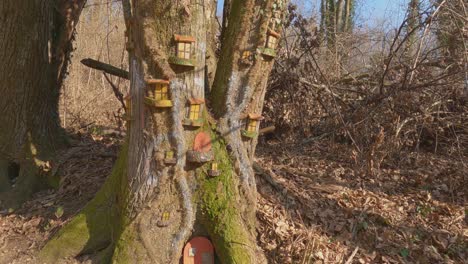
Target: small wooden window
[
  {"x": 161, "y": 92},
  {"x": 271, "y": 43},
  {"x": 166, "y": 216},
  {"x": 194, "y": 111},
  {"x": 252, "y": 126},
  {"x": 246, "y": 55},
  {"x": 184, "y": 50},
  {"x": 169, "y": 154}
]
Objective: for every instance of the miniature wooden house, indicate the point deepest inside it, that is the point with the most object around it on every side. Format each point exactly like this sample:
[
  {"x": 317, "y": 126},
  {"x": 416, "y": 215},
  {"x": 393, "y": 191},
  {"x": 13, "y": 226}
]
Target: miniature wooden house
[
  {"x": 252, "y": 124},
  {"x": 214, "y": 172},
  {"x": 183, "y": 51},
  {"x": 199, "y": 250},
  {"x": 128, "y": 104},
  {"x": 169, "y": 158},
  {"x": 158, "y": 93},
  {"x": 202, "y": 151},
  {"x": 246, "y": 58},
  {"x": 195, "y": 111},
  {"x": 164, "y": 221},
  {"x": 271, "y": 43}
]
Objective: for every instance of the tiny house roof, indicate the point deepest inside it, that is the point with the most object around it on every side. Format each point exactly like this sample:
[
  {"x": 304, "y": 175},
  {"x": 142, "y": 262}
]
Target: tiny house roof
[
  {"x": 196, "y": 101},
  {"x": 156, "y": 81},
  {"x": 273, "y": 33},
  {"x": 181, "y": 38}
]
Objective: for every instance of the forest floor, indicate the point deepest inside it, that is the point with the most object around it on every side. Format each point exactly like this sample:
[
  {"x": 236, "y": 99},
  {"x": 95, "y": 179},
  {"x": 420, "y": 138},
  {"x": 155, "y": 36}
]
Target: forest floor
[{"x": 315, "y": 205}]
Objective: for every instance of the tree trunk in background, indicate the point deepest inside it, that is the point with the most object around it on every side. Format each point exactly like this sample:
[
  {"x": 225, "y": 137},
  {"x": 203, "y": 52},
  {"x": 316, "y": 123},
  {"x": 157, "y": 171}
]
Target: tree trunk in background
[
  {"x": 336, "y": 18},
  {"x": 348, "y": 16},
  {"x": 126, "y": 220},
  {"x": 340, "y": 16},
  {"x": 323, "y": 19},
  {"x": 35, "y": 41},
  {"x": 331, "y": 24},
  {"x": 412, "y": 25}
]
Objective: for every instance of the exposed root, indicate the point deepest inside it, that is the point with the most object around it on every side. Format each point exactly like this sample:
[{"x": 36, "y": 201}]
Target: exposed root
[{"x": 95, "y": 227}]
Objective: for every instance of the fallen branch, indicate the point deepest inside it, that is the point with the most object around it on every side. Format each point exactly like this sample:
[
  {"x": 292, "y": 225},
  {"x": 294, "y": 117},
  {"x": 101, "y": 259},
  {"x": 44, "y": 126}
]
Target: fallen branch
[{"x": 350, "y": 259}]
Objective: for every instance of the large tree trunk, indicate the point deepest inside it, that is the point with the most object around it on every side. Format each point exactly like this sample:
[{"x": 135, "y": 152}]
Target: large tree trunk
[
  {"x": 124, "y": 219},
  {"x": 35, "y": 41}
]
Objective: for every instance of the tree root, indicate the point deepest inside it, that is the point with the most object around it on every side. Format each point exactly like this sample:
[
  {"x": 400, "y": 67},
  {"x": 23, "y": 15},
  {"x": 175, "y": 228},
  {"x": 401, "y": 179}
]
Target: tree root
[{"x": 95, "y": 227}]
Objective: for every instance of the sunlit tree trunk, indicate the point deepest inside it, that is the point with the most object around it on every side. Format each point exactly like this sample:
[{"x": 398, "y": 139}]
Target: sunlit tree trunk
[
  {"x": 154, "y": 202},
  {"x": 35, "y": 41}
]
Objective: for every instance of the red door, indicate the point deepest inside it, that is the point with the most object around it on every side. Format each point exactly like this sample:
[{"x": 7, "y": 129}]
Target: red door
[{"x": 199, "y": 250}]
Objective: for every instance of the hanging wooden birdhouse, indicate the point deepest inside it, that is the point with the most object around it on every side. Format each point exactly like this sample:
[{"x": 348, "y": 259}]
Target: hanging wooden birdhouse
[
  {"x": 199, "y": 250},
  {"x": 165, "y": 219},
  {"x": 158, "y": 93},
  {"x": 202, "y": 151},
  {"x": 169, "y": 158},
  {"x": 195, "y": 111},
  {"x": 251, "y": 130},
  {"x": 183, "y": 51},
  {"x": 214, "y": 172},
  {"x": 271, "y": 43}
]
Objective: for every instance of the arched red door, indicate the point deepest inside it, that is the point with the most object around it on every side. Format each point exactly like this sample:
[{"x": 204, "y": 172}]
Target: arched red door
[{"x": 199, "y": 250}]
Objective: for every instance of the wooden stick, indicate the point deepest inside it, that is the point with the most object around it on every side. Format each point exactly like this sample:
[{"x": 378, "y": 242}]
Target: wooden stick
[
  {"x": 107, "y": 68},
  {"x": 350, "y": 259}
]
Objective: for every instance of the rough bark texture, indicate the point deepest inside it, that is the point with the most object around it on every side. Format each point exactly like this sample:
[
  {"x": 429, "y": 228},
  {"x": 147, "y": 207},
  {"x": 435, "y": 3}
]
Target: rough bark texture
[
  {"x": 143, "y": 187},
  {"x": 35, "y": 43}
]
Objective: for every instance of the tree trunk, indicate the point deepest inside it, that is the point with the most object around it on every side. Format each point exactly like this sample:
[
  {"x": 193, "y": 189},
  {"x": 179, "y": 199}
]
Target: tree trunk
[
  {"x": 331, "y": 24},
  {"x": 35, "y": 41},
  {"x": 412, "y": 28},
  {"x": 340, "y": 15},
  {"x": 151, "y": 205},
  {"x": 348, "y": 16}
]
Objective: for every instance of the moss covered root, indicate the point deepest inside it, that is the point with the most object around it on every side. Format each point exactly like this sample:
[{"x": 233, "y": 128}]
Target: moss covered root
[
  {"x": 221, "y": 209},
  {"x": 93, "y": 228}
]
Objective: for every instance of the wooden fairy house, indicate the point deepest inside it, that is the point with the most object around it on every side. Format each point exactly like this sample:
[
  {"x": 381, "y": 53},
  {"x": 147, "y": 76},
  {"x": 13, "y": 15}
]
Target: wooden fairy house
[
  {"x": 169, "y": 158},
  {"x": 252, "y": 125},
  {"x": 183, "y": 51},
  {"x": 165, "y": 219},
  {"x": 214, "y": 171},
  {"x": 128, "y": 105},
  {"x": 158, "y": 93},
  {"x": 195, "y": 113},
  {"x": 246, "y": 58},
  {"x": 272, "y": 40}
]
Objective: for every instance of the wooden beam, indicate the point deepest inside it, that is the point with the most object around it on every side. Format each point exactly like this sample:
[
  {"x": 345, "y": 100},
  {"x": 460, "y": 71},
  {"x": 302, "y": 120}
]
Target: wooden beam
[{"x": 107, "y": 68}]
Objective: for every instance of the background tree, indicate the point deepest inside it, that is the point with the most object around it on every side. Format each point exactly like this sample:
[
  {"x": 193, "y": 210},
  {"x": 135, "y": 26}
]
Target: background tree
[
  {"x": 413, "y": 24},
  {"x": 147, "y": 209},
  {"x": 36, "y": 40},
  {"x": 336, "y": 18}
]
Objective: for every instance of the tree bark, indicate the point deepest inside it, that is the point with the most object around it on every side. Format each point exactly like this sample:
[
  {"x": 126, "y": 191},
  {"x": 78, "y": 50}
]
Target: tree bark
[
  {"x": 143, "y": 187},
  {"x": 35, "y": 41}
]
